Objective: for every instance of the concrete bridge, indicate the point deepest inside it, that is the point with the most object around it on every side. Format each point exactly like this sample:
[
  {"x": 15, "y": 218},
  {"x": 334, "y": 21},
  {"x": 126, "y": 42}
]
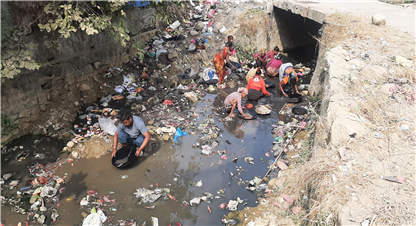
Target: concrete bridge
[{"x": 397, "y": 16}]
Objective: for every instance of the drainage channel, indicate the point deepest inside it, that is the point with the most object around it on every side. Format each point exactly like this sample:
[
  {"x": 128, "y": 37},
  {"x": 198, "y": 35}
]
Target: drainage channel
[{"x": 179, "y": 167}]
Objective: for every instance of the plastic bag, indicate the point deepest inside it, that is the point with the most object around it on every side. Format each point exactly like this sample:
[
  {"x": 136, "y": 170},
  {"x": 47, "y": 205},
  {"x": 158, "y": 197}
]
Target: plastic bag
[
  {"x": 48, "y": 192},
  {"x": 178, "y": 134},
  {"x": 209, "y": 74},
  {"x": 92, "y": 220},
  {"x": 159, "y": 51},
  {"x": 192, "y": 47},
  {"x": 119, "y": 89},
  {"x": 223, "y": 29},
  {"x": 211, "y": 13},
  {"x": 107, "y": 125},
  {"x": 105, "y": 99},
  {"x": 134, "y": 96},
  {"x": 175, "y": 25}
]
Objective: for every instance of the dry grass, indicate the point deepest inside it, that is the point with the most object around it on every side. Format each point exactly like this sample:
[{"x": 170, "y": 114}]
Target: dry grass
[
  {"x": 251, "y": 22},
  {"x": 340, "y": 27},
  {"x": 398, "y": 1}
]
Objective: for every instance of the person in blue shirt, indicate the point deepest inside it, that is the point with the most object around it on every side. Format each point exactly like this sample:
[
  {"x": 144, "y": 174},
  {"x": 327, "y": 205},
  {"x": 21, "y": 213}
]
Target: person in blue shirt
[{"x": 131, "y": 130}]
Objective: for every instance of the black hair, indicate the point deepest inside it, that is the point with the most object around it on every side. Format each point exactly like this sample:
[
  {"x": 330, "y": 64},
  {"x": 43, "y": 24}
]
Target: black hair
[
  {"x": 230, "y": 44},
  {"x": 258, "y": 72},
  {"x": 258, "y": 63},
  {"x": 292, "y": 82},
  {"x": 276, "y": 49},
  {"x": 230, "y": 36},
  {"x": 125, "y": 115}
]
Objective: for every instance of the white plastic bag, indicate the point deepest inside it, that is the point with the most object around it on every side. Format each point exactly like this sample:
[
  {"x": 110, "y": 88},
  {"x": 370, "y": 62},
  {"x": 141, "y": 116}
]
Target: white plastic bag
[
  {"x": 92, "y": 220},
  {"x": 223, "y": 29},
  {"x": 192, "y": 47},
  {"x": 119, "y": 89},
  {"x": 175, "y": 25},
  {"x": 209, "y": 74},
  {"x": 102, "y": 214},
  {"x": 107, "y": 125}
]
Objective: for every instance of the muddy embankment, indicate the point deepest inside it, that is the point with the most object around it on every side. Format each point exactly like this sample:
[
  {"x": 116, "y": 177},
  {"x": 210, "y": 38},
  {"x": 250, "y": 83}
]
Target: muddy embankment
[{"x": 362, "y": 161}]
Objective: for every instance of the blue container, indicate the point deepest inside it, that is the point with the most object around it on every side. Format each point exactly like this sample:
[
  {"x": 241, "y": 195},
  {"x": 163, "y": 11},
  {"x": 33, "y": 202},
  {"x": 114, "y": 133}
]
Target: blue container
[{"x": 138, "y": 3}]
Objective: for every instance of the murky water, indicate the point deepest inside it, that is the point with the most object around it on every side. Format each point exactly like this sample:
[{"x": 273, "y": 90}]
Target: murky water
[
  {"x": 18, "y": 162},
  {"x": 166, "y": 161},
  {"x": 177, "y": 166}
]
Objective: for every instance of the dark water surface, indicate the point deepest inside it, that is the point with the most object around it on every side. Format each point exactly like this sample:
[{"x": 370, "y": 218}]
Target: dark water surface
[
  {"x": 166, "y": 161},
  {"x": 177, "y": 166}
]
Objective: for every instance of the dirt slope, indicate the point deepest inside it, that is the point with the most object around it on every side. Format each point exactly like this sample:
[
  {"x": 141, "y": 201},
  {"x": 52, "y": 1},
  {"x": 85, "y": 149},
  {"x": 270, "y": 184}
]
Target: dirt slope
[{"x": 365, "y": 134}]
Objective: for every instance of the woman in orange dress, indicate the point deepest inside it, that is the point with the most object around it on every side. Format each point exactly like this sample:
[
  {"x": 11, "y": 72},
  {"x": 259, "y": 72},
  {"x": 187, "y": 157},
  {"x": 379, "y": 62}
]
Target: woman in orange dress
[{"x": 219, "y": 62}]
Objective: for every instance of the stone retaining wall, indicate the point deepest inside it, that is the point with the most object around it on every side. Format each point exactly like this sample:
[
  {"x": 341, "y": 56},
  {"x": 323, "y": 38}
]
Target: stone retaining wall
[{"x": 71, "y": 73}]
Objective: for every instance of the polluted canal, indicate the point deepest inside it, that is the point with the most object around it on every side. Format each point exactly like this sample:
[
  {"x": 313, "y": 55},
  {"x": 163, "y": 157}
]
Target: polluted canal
[
  {"x": 217, "y": 166},
  {"x": 182, "y": 169},
  {"x": 181, "y": 182}
]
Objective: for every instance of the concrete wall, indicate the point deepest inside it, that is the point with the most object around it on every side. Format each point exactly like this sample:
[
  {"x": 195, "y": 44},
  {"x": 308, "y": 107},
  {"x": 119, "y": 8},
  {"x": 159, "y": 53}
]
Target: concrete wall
[
  {"x": 295, "y": 31},
  {"x": 72, "y": 71},
  {"x": 276, "y": 27}
]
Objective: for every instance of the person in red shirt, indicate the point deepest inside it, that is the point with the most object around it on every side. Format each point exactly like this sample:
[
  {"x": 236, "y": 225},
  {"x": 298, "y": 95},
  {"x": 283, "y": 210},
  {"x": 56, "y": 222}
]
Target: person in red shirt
[{"x": 256, "y": 87}]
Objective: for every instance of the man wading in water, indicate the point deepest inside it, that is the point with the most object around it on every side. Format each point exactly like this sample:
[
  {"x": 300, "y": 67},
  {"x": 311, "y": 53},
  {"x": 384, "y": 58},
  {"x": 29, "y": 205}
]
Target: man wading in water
[{"x": 133, "y": 131}]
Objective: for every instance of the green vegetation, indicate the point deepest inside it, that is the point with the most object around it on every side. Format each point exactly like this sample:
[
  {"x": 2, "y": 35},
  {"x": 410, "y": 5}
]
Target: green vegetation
[
  {"x": 18, "y": 54},
  {"x": 61, "y": 18},
  {"x": 246, "y": 52},
  {"x": 6, "y": 125},
  {"x": 139, "y": 47}
]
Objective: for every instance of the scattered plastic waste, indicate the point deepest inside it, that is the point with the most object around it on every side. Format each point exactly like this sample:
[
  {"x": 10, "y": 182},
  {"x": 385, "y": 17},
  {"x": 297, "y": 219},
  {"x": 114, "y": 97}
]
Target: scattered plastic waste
[
  {"x": 223, "y": 206},
  {"x": 397, "y": 179},
  {"x": 147, "y": 196},
  {"x": 195, "y": 201},
  {"x": 229, "y": 222},
  {"x": 232, "y": 205},
  {"x": 175, "y": 25},
  {"x": 178, "y": 134},
  {"x": 155, "y": 221},
  {"x": 249, "y": 160}
]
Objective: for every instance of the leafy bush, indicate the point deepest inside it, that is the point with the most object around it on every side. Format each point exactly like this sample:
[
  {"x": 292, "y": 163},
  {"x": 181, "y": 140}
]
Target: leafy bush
[
  {"x": 139, "y": 47},
  {"x": 6, "y": 125}
]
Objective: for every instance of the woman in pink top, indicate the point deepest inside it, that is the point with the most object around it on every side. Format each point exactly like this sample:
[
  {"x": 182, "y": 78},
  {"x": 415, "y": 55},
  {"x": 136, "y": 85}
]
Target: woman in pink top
[
  {"x": 273, "y": 67},
  {"x": 233, "y": 100}
]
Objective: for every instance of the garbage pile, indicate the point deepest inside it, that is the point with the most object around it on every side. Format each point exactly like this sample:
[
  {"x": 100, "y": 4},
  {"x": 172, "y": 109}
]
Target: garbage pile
[{"x": 40, "y": 200}]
